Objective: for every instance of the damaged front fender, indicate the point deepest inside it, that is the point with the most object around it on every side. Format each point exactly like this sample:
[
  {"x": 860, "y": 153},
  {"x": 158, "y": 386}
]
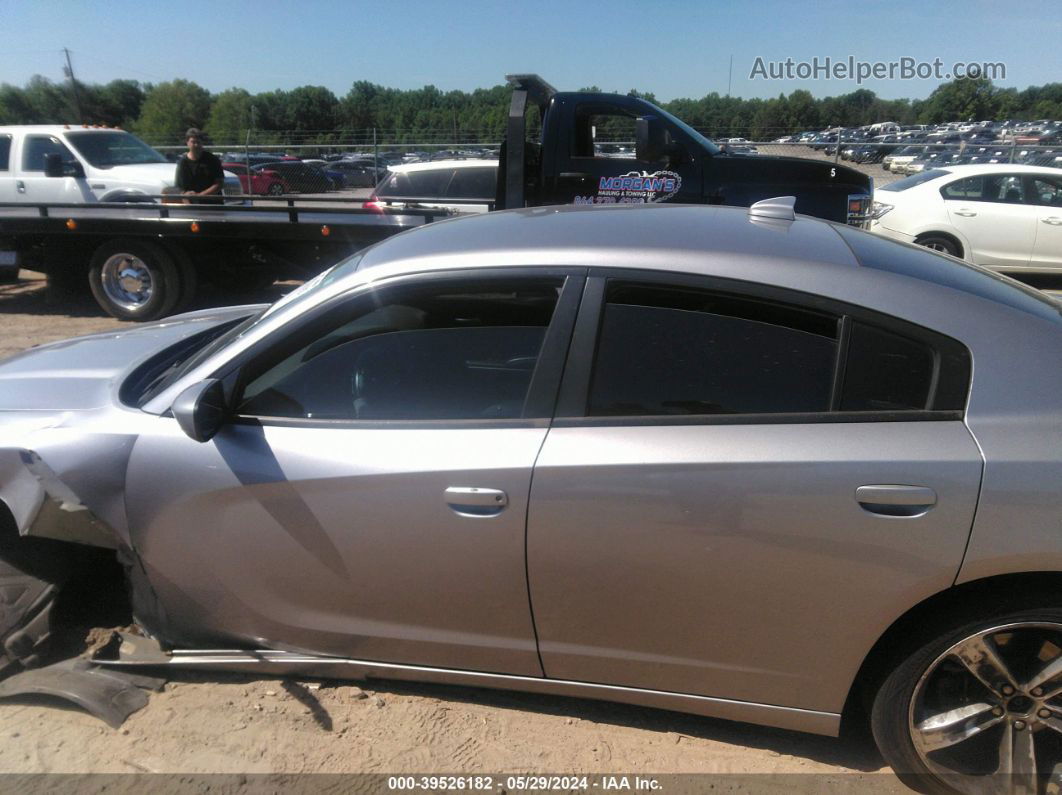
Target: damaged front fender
[{"x": 69, "y": 488}]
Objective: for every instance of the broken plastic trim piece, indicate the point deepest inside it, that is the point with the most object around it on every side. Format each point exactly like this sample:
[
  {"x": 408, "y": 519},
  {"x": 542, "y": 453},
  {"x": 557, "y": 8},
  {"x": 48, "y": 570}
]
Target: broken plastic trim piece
[
  {"x": 62, "y": 515},
  {"x": 111, "y": 696}
]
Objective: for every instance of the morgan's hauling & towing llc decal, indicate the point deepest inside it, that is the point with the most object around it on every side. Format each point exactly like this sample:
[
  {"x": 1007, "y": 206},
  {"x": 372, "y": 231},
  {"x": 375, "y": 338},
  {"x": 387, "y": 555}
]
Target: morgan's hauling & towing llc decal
[{"x": 634, "y": 188}]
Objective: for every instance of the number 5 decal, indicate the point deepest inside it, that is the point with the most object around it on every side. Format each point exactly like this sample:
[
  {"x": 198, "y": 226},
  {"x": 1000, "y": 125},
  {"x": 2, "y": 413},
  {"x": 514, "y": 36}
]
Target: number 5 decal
[{"x": 833, "y": 173}]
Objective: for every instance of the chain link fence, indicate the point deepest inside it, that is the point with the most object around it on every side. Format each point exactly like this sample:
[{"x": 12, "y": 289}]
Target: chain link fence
[{"x": 282, "y": 163}]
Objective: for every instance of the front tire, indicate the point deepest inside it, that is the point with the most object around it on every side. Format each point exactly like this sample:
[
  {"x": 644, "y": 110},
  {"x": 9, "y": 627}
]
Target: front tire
[
  {"x": 32, "y": 572},
  {"x": 135, "y": 280},
  {"x": 977, "y": 708}
]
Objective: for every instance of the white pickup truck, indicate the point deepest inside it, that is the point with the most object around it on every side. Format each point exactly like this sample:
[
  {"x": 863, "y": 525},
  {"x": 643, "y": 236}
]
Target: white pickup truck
[
  {"x": 55, "y": 163},
  {"x": 95, "y": 165}
]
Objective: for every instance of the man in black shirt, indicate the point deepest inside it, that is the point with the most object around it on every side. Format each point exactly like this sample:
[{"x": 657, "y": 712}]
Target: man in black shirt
[{"x": 199, "y": 172}]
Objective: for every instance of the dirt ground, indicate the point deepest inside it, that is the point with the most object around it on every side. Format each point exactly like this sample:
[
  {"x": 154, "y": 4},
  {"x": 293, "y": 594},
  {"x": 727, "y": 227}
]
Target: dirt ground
[{"x": 239, "y": 724}]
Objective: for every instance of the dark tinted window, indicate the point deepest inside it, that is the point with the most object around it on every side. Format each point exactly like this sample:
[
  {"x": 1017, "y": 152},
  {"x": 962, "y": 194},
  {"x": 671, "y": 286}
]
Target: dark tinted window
[
  {"x": 473, "y": 183},
  {"x": 37, "y": 146},
  {"x": 5, "y": 152},
  {"x": 1006, "y": 188},
  {"x": 886, "y": 372},
  {"x": 444, "y": 351},
  {"x": 417, "y": 184},
  {"x": 677, "y": 351}
]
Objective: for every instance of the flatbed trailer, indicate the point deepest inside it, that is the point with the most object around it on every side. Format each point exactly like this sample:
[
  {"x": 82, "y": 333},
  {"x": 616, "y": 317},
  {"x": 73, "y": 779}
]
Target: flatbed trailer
[{"x": 145, "y": 260}]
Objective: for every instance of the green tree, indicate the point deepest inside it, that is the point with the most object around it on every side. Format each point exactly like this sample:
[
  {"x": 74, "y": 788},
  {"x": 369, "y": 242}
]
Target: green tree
[
  {"x": 962, "y": 100},
  {"x": 171, "y": 108},
  {"x": 230, "y": 116}
]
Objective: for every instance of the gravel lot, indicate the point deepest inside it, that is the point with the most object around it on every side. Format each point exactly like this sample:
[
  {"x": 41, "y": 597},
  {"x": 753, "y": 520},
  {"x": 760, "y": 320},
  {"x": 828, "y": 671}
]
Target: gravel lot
[{"x": 240, "y": 724}]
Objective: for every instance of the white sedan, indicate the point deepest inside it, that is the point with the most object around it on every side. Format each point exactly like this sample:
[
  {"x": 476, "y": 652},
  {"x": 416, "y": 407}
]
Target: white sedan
[{"x": 1003, "y": 216}]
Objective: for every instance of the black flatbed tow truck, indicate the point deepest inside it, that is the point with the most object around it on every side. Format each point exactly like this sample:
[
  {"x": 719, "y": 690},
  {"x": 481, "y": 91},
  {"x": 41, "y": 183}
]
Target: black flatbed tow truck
[{"x": 143, "y": 261}]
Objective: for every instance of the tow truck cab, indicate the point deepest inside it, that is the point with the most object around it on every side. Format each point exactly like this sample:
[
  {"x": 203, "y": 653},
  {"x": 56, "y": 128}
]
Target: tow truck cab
[{"x": 581, "y": 159}]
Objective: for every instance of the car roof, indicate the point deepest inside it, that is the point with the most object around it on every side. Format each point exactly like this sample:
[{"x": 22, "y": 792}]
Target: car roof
[
  {"x": 973, "y": 169},
  {"x": 55, "y": 129},
  {"x": 608, "y": 235},
  {"x": 432, "y": 165}
]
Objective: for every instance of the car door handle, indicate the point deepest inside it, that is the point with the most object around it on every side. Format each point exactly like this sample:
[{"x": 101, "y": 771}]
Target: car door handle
[
  {"x": 574, "y": 175},
  {"x": 20, "y": 186},
  {"x": 965, "y": 213},
  {"x": 1054, "y": 220},
  {"x": 895, "y": 499},
  {"x": 473, "y": 501}
]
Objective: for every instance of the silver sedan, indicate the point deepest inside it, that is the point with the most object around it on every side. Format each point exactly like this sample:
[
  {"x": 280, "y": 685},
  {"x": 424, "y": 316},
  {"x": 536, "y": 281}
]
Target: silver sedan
[{"x": 730, "y": 462}]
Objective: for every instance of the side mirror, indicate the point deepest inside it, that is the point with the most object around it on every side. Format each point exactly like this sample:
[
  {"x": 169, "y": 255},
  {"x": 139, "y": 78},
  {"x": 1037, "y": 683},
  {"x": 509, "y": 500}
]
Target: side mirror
[
  {"x": 651, "y": 139},
  {"x": 200, "y": 409},
  {"x": 55, "y": 167}
]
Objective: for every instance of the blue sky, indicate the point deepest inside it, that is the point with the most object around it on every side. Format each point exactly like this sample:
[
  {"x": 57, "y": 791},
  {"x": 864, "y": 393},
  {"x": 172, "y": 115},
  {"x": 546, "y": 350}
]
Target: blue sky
[{"x": 674, "y": 48}]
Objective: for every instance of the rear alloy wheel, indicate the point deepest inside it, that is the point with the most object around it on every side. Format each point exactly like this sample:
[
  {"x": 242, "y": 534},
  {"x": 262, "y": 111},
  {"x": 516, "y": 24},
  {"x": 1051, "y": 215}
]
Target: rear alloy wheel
[
  {"x": 939, "y": 243},
  {"x": 979, "y": 709},
  {"x": 275, "y": 189},
  {"x": 135, "y": 280}
]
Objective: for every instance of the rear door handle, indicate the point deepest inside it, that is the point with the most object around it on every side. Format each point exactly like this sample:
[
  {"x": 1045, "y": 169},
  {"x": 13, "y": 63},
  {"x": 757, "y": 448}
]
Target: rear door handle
[
  {"x": 20, "y": 186},
  {"x": 895, "y": 499},
  {"x": 1054, "y": 220},
  {"x": 965, "y": 213},
  {"x": 475, "y": 502}
]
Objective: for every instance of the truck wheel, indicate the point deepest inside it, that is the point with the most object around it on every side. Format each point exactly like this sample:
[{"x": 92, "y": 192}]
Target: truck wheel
[
  {"x": 187, "y": 277},
  {"x": 32, "y": 571},
  {"x": 134, "y": 280}
]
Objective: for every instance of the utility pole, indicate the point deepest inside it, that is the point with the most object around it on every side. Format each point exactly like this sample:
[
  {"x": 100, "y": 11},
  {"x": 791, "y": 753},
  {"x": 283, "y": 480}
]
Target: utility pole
[
  {"x": 730, "y": 75},
  {"x": 69, "y": 70}
]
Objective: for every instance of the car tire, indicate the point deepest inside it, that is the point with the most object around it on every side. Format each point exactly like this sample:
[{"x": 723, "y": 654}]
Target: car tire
[
  {"x": 931, "y": 691},
  {"x": 32, "y": 572},
  {"x": 135, "y": 280},
  {"x": 275, "y": 189},
  {"x": 940, "y": 243}
]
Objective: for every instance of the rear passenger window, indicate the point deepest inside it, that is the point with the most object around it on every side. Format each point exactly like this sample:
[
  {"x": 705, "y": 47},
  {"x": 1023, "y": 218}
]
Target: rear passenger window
[
  {"x": 5, "y": 152},
  {"x": 675, "y": 351},
  {"x": 886, "y": 372},
  {"x": 418, "y": 184},
  {"x": 668, "y": 350},
  {"x": 473, "y": 183}
]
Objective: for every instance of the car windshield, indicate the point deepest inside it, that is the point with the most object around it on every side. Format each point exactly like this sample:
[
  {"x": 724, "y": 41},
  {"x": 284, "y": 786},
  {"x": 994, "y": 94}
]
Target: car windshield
[
  {"x": 915, "y": 179},
  {"x": 114, "y": 148}
]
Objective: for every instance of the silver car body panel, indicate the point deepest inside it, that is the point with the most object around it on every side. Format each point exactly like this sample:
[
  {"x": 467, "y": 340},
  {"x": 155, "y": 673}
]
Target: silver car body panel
[
  {"x": 340, "y": 541},
  {"x": 685, "y": 557},
  {"x": 270, "y": 662}
]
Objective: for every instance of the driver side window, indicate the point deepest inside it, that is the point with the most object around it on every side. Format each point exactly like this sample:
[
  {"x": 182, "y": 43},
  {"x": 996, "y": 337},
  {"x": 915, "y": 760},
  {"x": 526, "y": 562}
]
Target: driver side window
[
  {"x": 442, "y": 350},
  {"x": 37, "y": 146}
]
